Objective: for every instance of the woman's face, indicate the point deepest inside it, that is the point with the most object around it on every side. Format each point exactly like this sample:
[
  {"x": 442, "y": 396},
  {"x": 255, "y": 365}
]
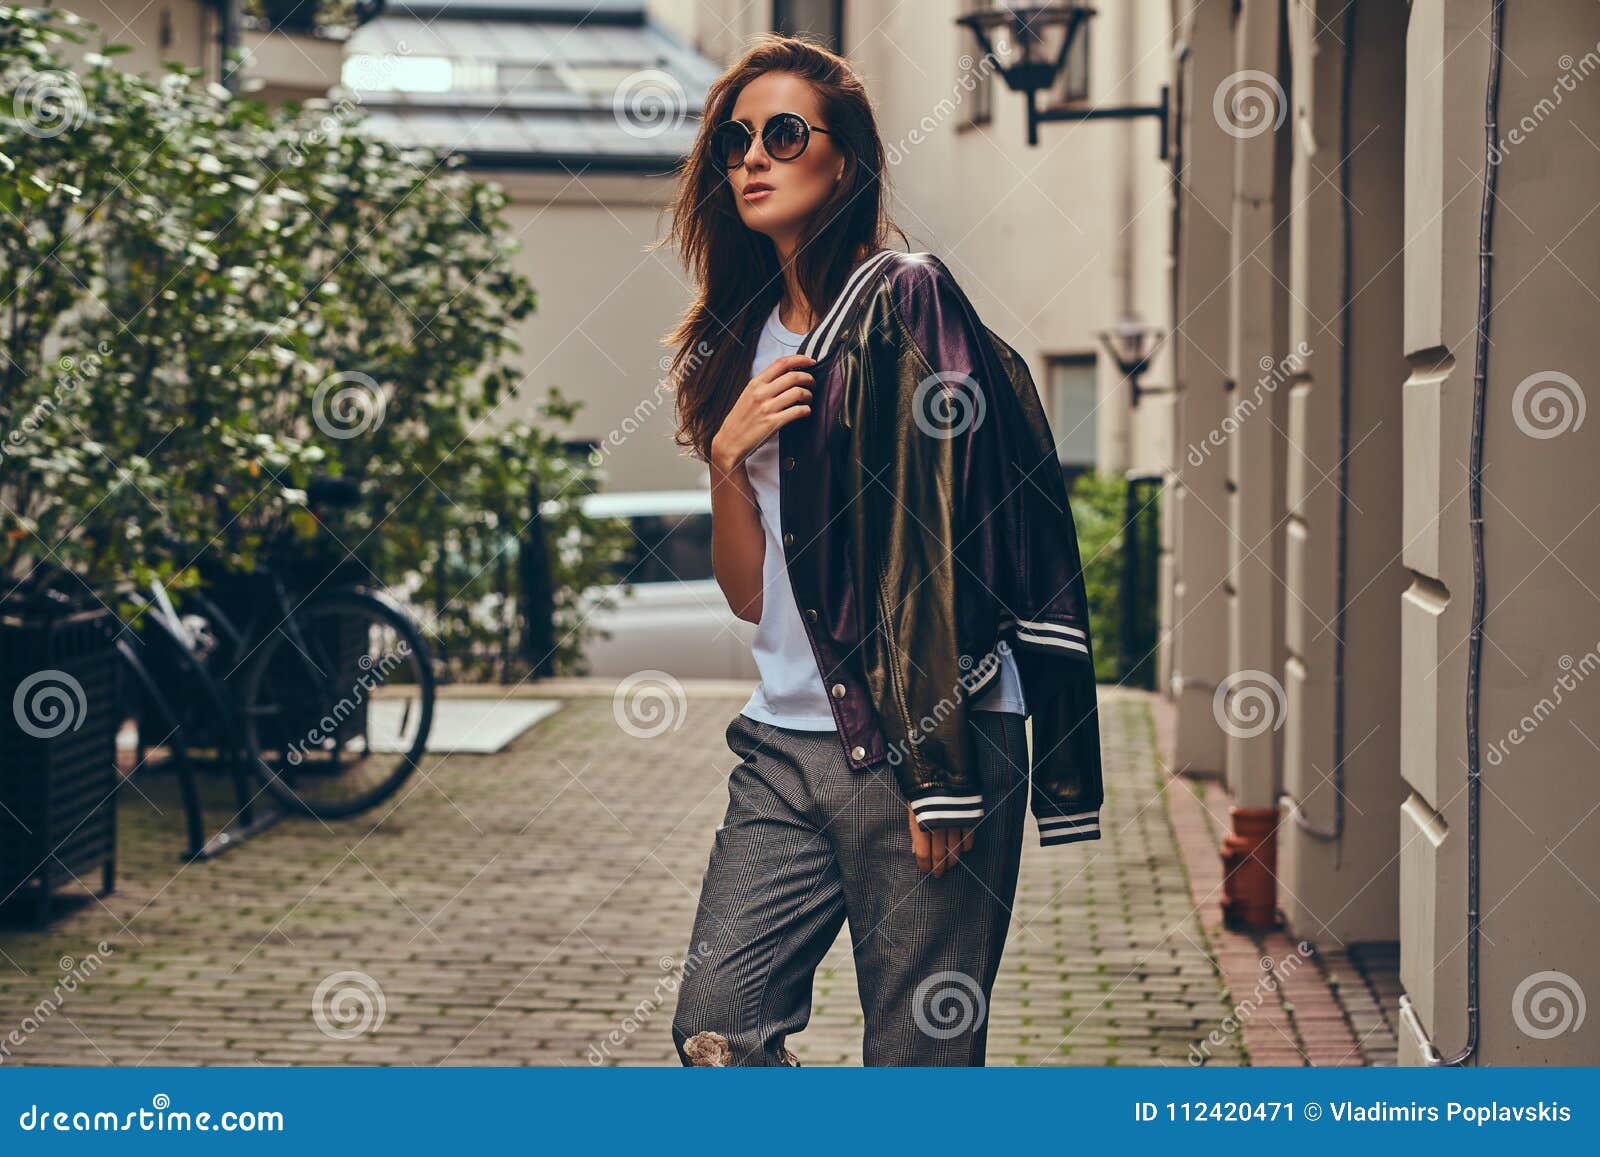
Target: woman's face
[{"x": 776, "y": 197}]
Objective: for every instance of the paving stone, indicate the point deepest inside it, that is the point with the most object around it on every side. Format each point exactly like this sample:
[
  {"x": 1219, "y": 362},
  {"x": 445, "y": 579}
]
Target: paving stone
[{"x": 532, "y": 906}]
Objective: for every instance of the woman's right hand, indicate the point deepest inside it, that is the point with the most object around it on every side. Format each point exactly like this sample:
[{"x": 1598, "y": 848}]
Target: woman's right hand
[{"x": 775, "y": 397}]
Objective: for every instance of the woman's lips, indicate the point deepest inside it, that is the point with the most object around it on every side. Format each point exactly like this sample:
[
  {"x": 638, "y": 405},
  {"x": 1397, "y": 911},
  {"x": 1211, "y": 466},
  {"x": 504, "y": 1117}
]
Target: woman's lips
[{"x": 758, "y": 194}]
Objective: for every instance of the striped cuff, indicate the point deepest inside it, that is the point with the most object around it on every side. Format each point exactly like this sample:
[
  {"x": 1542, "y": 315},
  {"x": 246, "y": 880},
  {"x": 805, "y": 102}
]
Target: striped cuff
[
  {"x": 1053, "y": 635},
  {"x": 948, "y": 811},
  {"x": 1069, "y": 829}
]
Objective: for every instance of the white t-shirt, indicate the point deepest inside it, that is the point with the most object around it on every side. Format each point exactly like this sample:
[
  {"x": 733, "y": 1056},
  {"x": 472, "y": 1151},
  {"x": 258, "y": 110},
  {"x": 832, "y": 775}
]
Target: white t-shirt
[{"x": 791, "y": 693}]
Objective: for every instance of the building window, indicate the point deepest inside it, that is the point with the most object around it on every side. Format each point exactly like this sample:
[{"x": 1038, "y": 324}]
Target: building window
[
  {"x": 1073, "y": 396},
  {"x": 367, "y": 72},
  {"x": 1073, "y": 87},
  {"x": 822, "y": 20}
]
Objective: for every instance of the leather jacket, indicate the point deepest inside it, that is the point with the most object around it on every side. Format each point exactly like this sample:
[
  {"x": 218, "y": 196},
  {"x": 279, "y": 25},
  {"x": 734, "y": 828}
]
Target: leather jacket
[{"x": 926, "y": 527}]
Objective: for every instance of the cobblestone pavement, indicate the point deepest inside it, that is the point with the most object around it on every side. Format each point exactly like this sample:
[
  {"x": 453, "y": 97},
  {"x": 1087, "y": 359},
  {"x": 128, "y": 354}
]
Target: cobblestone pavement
[
  {"x": 531, "y": 907},
  {"x": 1292, "y": 1003}
]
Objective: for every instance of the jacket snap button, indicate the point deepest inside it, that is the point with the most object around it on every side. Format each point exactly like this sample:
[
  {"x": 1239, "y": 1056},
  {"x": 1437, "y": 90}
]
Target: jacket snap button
[
  {"x": 858, "y": 752},
  {"x": 788, "y": 463},
  {"x": 811, "y": 614},
  {"x": 788, "y": 539},
  {"x": 838, "y": 690}
]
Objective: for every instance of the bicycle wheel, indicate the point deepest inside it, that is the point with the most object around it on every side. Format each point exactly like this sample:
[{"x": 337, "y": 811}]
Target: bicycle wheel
[{"x": 337, "y": 703}]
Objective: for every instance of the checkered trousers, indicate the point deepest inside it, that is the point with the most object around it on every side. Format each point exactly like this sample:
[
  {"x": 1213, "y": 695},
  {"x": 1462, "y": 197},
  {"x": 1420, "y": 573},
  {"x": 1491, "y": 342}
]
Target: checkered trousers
[{"x": 806, "y": 844}]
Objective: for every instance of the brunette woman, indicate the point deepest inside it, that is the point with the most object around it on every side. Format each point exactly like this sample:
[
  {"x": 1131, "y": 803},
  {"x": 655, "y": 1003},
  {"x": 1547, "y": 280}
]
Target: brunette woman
[{"x": 780, "y": 216}]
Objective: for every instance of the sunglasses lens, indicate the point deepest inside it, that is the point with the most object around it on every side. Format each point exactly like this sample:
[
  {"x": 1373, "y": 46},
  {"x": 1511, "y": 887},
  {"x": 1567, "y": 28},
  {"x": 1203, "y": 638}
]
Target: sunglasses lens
[
  {"x": 729, "y": 143},
  {"x": 784, "y": 136}
]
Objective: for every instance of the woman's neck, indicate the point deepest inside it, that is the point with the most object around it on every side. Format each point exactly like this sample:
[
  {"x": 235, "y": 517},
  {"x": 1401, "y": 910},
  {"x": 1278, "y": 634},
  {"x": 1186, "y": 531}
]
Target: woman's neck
[{"x": 793, "y": 308}]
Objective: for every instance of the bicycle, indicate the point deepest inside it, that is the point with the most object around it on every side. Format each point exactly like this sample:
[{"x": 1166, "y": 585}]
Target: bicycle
[{"x": 326, "y": 700}]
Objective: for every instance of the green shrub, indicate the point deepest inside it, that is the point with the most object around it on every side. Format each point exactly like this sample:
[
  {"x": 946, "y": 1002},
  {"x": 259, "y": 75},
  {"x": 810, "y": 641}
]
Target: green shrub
[
  {"x": 210, "y": 303},
  {"x": 1097, "y": 510}
]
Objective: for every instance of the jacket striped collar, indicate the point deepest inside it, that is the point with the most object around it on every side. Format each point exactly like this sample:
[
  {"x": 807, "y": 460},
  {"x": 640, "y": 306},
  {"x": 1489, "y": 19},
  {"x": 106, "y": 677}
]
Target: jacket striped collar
[{"x": 821, "y": 339}]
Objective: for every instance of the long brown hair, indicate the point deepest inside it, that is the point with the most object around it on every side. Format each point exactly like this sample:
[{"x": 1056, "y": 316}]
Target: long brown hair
[{"x": 735, "y": 268}]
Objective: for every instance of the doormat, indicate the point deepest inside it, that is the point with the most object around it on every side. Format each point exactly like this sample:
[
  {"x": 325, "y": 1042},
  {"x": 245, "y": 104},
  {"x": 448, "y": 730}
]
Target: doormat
[{"x": 475, "y": 726}]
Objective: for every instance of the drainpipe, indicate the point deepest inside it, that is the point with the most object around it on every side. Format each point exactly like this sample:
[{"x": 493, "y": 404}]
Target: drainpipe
[
  {"x": 1335, "y": 834},
  {"x": 228, "y": 43},
  {"x": 1249, "y": 851},
  {"x": 1123, "y": 160},
  {"x": 1480, "y": 384}
]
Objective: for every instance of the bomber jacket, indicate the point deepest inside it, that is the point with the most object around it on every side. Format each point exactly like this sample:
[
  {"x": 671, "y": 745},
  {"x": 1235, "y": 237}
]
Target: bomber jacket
[{"x": 926, "y": 528}]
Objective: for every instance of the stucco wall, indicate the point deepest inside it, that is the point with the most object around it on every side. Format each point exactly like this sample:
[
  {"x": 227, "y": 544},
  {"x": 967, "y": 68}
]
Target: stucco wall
[
  {"x": 1540, "y": 859},
  {"x": 175, "y": 30}
]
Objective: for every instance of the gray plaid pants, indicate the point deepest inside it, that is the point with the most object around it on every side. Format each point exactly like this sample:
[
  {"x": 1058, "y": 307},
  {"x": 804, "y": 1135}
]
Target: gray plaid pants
[{"x": 807, "y": 843}]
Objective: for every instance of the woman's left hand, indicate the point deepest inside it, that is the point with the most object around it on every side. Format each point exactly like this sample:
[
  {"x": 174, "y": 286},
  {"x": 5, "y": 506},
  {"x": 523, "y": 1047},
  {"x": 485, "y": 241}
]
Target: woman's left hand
[{"x": 940, "y": 848}]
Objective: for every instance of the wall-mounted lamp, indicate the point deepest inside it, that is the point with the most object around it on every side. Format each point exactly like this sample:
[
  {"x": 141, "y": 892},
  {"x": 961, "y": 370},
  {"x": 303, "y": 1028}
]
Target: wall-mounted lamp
[
  {"x": 1029, "y": 45},
  {"x": 1132, "y": 344}
]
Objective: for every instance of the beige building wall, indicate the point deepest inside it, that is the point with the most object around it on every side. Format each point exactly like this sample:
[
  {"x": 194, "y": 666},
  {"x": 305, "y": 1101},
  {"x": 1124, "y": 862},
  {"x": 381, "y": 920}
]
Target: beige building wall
[
  {"x": 1194, "y": 526},
  {"x": 718, "y": 28},
  {"x": 1338, "y": 850},
  {"x": 1255, "y": 455},
  {"x": 1397, "y": 863},
  {"x": 1539, "y": 854},
  {"x": 289, "y": 66},
  {"x": 166, "y": 30},
  {"x": 604, "y": 304}
]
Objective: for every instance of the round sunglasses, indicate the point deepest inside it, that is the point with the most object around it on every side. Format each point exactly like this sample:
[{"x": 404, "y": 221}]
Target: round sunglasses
[{"x": 784, "y": 137}]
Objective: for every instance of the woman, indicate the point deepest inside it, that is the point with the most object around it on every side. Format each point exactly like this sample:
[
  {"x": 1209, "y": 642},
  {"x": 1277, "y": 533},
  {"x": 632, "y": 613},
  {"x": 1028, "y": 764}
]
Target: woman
[{"x": 915, "y": 842}]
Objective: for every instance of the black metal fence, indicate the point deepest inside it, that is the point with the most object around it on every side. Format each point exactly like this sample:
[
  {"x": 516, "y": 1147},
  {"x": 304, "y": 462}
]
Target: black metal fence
[{"x": 1138, "y": 593}]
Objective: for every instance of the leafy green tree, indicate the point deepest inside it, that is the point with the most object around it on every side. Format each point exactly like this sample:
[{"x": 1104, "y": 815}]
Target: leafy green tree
[{"x": 206, "y": 304}]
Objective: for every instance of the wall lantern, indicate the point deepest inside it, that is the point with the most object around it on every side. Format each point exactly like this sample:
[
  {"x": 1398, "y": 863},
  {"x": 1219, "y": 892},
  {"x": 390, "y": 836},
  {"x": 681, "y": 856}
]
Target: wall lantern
[
  {"x": 1132, "y": 344},
  {"x": 1029, "y": 45}
]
